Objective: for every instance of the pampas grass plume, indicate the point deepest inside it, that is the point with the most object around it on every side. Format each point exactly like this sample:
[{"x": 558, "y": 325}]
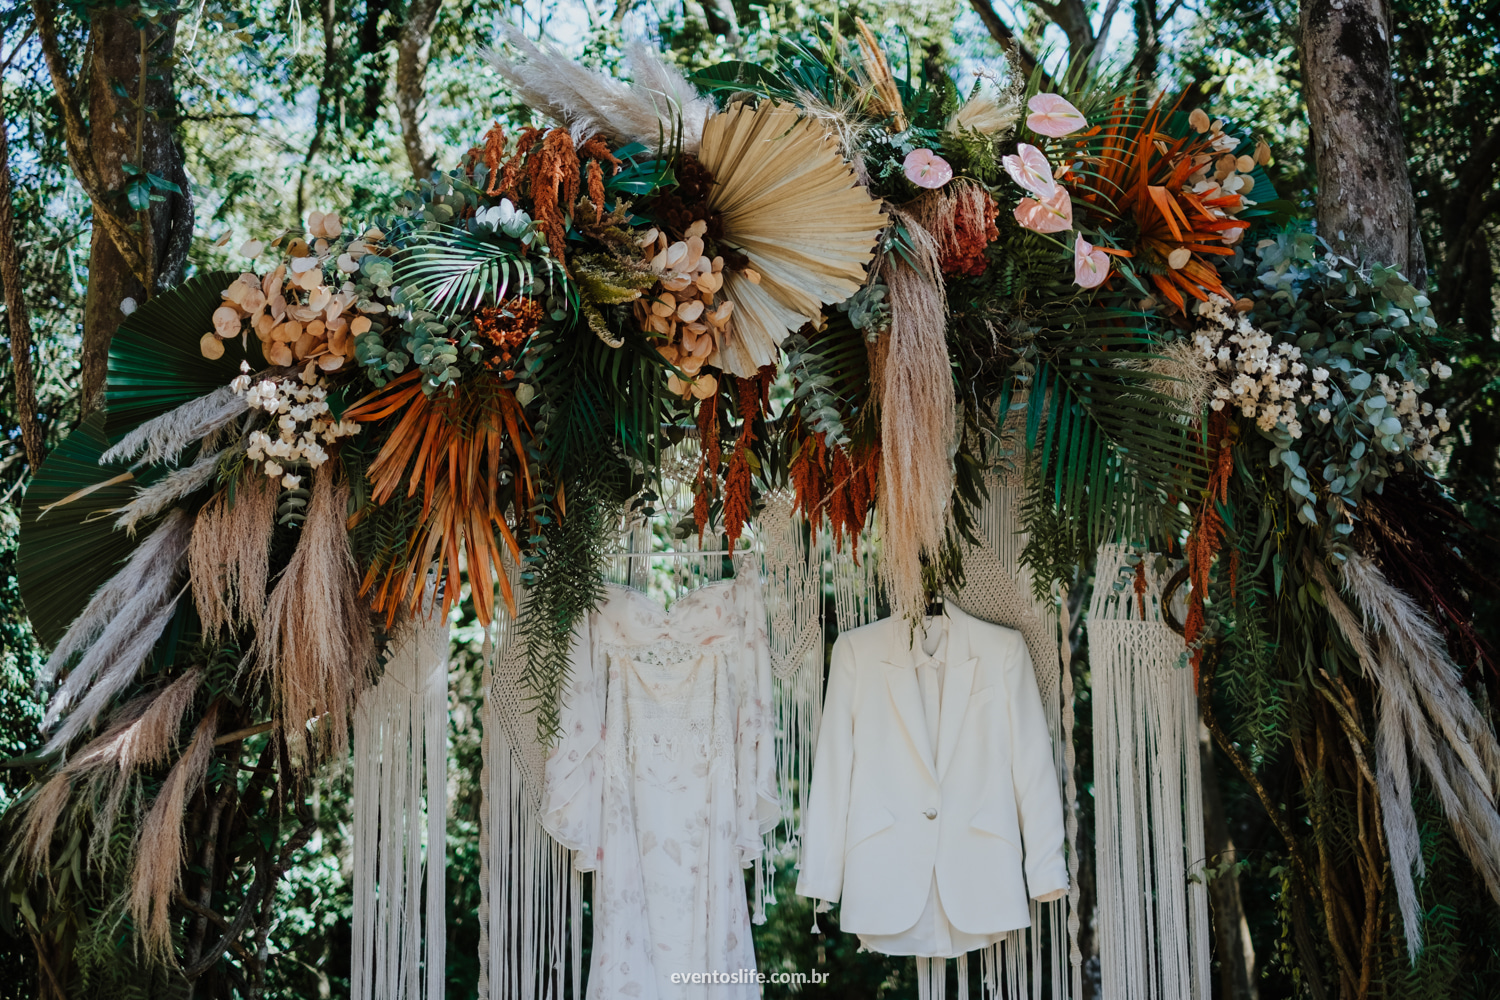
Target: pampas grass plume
[
  {"x": 229, "y": 556},
  {"x": 315, "y": 640}
]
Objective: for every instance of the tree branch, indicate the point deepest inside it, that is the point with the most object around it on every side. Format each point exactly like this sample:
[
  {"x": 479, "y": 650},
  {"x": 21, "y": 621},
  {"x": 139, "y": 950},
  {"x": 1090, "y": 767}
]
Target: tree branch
[
  {"x": 80, "y": 155},
  {"x": 1000, "y": 32}
]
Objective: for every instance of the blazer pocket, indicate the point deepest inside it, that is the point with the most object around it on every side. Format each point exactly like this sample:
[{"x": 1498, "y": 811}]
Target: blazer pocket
[
  {"x": 997, "y": 821},
  {"x": 866, "y": 820}
]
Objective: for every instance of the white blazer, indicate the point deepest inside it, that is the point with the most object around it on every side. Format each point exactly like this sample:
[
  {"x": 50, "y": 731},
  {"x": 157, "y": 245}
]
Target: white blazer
[{"x": 883, "y": 816}]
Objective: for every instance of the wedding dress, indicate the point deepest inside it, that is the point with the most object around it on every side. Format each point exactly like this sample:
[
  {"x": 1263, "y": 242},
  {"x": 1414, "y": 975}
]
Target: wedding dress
[{"x": 663, "y": 783}]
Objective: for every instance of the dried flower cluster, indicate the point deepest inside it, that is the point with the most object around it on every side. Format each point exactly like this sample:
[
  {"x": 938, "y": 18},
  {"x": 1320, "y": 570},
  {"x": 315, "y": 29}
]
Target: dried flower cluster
[
  {"x": 298, "y": 319},
  {"x": 686, "y": 309},
  {"x": 302, "y": 424},
  {"x": 1267, "y": 381},
  {"x": 1265, "y": 378},
  {"x": 507, "y": 325},
  {"x": 1220, "y": 173}
]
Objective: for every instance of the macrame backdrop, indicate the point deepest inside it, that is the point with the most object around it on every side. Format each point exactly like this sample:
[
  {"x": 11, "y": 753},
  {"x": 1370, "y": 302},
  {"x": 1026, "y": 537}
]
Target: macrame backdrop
[
  {"x": 400, "y": 821},
  {"x": 1153, "y": 928}
]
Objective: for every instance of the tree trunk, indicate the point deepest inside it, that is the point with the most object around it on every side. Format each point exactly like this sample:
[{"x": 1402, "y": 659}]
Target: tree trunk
[
  {"x": 412, "y": 49},
  {"x": 17, "y": 319},
  {"x": 1365, "y": 204},
  {"x": 122, "y": 131},
  {"x": 1235, "y": 950}
]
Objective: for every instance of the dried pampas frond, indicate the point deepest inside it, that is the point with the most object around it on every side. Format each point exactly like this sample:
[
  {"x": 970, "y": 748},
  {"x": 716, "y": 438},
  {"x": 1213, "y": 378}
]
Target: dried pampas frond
[
  {"x": 141, "y": 734},
  {"x": 165, "y": 436},
  {"x": 1183, "y": 376},
  {"x": 917, "y": 411},
  {"x": 588, "y": 102},
  {"x": 229, "y": 556},
  {"x": 989, "y": 115},
  {"x": 315, "y": 639},
  {"x": 116, "y": 631},
  {"x": 1423, "y": 712},
  {"x": 177, "y": 484},
  {"x": 159, "y": 851},
  {"x": 791, "y": 203}
]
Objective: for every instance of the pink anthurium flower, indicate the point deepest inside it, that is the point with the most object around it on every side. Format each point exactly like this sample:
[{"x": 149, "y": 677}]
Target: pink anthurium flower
[
  {"x": 1029, "y": 168},
  {"x": 1052, "y": 215},
  {"x": 926, "y": 169},
  {"x": 1090, "y": 266},
  {"x": 1052, "y": 115}
]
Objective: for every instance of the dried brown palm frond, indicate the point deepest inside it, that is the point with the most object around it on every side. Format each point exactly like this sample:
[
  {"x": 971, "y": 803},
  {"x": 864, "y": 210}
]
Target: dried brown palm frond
[
  {"x": 917, "y": 408},
  {"x": 116, "y": 632},
  {"x": 649, "y": 110},
  {"x": 172, "y": 487},
  {"x": 157, "y": 875},
  {"x": 451, "y": 450},
  {"x": 229, "y": 556},
  {"x": 315, "y": 639},
  {"x": 164, "y": 437},
  {"x": 789, "y": 201}
]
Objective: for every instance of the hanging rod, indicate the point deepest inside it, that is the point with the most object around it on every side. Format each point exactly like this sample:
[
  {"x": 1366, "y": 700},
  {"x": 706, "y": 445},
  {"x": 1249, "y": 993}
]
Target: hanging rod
[{"x": 675, "y": 554}]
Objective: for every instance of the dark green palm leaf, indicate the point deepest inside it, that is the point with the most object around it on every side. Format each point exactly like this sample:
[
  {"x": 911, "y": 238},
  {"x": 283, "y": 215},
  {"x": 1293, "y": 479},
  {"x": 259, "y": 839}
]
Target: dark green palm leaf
[
  {"x": 155, "y": 364},
  {"x": 68, "y": 551}
]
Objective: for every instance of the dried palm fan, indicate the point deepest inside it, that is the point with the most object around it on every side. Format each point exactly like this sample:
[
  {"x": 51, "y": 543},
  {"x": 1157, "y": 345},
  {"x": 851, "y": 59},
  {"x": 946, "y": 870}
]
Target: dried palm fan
[
  {"x": 649, "y": 111},
  {"x": 791, "y": 203}
]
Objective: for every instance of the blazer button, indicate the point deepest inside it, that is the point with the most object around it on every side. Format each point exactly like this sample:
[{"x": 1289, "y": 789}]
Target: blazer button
[{"x": 930, "y": 813}]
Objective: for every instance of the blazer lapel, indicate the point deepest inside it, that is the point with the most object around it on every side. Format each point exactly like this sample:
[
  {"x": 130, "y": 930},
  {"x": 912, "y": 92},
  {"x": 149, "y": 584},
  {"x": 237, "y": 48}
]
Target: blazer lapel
[
  {"x": 906, "y": 696},
  {"x": 958, "y": 679}
]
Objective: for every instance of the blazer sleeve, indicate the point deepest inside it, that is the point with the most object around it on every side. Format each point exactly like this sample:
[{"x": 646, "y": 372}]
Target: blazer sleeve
[
  {"x": 826, "y": 816},
  {"x": 1038, "y": 803},
  {"x": 573, "y": 781}
]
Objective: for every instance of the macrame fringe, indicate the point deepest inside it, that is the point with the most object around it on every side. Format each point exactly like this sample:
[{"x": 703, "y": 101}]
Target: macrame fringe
[
  {"x": 400, "y": 820},
  {"x": 531, "y": 898},
  {"x": 1152, "y": 922}
]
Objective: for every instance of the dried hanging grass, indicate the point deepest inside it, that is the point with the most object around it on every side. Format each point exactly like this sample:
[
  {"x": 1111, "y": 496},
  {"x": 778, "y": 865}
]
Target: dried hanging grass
[
  {"x": 119, "y": 627},
  {"x": 177, "y": 484},
  {"x": 315, "y": 638},
  {"x": 159, "y": 852},
  {"x": 229, "y": 556},
  {"x": 165, "y": 436},
  {"x": 1424, "y": 712},
  {"x": 917, "y": 408},
  {"x": 143, "y": 733}
]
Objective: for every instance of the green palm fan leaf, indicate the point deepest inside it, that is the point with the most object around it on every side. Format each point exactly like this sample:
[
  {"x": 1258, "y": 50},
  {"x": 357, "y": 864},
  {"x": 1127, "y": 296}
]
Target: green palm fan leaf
[
  {"x": 68, "y": 550},
  {"x": 455, "y": 271},
  {"x": 155, "y": 364}
]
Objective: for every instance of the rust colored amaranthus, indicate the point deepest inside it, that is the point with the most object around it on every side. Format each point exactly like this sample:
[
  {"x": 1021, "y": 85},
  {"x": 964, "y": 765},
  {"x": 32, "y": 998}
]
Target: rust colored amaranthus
[
  {"x": 1208, "y": 533},
  {"x": 752, "y": 398},
  {"x": 836, "y": 483},
  {"x": 450, "y": 449},
  {"x": 553, "y": 172},
  {"x": 961, "y": 246}
]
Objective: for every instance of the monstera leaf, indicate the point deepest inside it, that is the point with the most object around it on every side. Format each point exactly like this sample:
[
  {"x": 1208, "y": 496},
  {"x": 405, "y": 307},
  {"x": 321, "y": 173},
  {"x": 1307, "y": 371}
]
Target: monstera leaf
[
  {"x": 154, "y": 361},
  {"x": 69, "y": 548}
]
